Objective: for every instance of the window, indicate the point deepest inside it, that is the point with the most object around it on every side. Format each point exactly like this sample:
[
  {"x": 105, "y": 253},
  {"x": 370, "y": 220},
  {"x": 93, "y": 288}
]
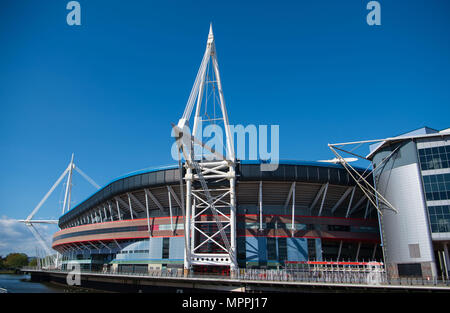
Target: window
[
  {"x": 414, "y": 250},
  {"x": 439, "y": 218},
  {"x": 241, "y": 255},
  {"x": 330, "y": 250},
  {"x": 140, "y": 251},
  {"x": 271, "y": 249},
  {"x": 410, "y": 269},
  {"x": 437, "y": 187},
  {"x": 165, "y": 248},
  {"x": 311, "y": 249},
  {"x": 434, "y": 158},
  {"x": 282, "y": 249},
  {"x": 338, "y": 228}
]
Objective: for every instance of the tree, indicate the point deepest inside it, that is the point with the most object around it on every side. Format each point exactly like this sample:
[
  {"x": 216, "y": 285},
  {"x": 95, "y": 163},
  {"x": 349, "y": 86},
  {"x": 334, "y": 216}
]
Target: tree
[
  {"x": 33, "y": 262},
  {"x": 16, "y": 260}
]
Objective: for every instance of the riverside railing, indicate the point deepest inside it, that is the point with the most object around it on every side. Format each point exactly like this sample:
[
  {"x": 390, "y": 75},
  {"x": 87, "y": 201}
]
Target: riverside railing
[{"x": 375, "y": 277}]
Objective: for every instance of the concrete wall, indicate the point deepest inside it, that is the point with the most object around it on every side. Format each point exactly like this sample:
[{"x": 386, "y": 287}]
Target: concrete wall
[{"x": 406, "y": 235}]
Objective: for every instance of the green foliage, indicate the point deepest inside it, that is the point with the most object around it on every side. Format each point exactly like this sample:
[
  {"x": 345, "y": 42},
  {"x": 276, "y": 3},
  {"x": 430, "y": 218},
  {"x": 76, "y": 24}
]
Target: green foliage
[
  {"x": 16, "y": 260},
  {"x": 33, "y": 262}
]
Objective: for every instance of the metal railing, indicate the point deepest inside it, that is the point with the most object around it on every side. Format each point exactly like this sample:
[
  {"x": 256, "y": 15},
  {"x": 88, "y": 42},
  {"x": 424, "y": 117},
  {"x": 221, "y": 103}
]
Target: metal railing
[{"x": 375, "y": 277}]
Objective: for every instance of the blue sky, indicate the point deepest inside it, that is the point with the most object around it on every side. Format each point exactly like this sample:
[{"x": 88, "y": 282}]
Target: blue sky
[{"x": 108, "y": 90}]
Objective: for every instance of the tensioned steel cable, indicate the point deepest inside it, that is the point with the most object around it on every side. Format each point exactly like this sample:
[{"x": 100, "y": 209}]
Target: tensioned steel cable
[{"x": 190, "y": 104}]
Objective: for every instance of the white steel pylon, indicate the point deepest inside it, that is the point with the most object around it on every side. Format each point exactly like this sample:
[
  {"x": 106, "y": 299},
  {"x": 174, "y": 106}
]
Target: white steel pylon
[
  {"x": 372, "y": 194},
  {"x": 210, "y": 213},
  {"x": 29, "y": 221}
]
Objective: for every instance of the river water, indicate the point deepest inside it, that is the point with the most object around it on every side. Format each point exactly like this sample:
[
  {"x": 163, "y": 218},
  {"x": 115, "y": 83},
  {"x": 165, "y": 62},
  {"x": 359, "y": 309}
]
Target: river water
[{"x": 22, "y": 284}]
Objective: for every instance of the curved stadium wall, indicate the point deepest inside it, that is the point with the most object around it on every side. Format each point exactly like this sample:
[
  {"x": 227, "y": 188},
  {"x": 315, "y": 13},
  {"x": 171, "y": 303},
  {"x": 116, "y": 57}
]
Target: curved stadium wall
[{"x": 332, "y": 220}]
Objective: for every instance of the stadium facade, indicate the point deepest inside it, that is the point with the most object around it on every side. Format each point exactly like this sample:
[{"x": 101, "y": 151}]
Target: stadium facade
[
  {"x": 413, "y": 173},
  {"x": 224, "y": 214},
  {"x": 303, "y": 211}
]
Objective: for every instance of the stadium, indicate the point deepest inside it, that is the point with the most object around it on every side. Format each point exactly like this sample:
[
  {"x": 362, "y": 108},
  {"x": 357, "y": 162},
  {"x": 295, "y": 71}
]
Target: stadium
[
  {"x": 229, "y": 214},
  {"x": 302, "y": 212},
  {"x": 222, "y": 213},
  {"x": 217, "y": 212}
]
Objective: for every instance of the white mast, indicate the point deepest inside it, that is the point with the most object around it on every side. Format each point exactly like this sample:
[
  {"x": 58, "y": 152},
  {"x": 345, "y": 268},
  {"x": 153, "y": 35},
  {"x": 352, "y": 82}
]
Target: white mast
[
  {"x": 201, "y": 199},
  {"x": 29, "y": 221},
  {"x": 68, "y": 193}
]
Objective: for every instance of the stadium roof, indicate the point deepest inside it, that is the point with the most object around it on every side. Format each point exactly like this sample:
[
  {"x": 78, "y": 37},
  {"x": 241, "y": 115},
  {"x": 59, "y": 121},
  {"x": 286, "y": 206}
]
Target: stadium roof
[
  {"x": 423, "y": 132},
  {"x": 169, "y": 175}
]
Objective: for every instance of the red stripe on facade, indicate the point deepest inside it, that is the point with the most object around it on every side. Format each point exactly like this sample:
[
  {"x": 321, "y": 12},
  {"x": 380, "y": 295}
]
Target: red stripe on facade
[
  {"x": 333, "y": 263},
  {"x": 239, "y": 215},
  {"x": 119, "y": 221},
  {"x": 307, "y": 216},
  {"x": 317, "y": 237},
  {"x": 115, "y": 238}
]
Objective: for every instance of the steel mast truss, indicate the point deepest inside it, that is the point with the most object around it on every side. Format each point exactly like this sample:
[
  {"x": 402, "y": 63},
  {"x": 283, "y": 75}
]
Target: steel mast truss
[
  {"x": 372, "y": 194},
  {"x": 29, "y": 221},
  {"x": 210, "y": 215}
]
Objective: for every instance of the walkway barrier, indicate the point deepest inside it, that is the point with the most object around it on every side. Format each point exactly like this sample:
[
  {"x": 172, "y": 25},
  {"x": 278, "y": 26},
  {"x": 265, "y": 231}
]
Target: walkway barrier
[{"x": 336, "y": 275}]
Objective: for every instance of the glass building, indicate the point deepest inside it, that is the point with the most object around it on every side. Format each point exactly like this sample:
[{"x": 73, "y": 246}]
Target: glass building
[{"x": 414, "y": 175}]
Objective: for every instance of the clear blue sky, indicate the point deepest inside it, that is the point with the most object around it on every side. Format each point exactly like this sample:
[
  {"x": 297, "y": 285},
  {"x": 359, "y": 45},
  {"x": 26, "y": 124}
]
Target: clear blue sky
[{"x": 109, "y": 89}]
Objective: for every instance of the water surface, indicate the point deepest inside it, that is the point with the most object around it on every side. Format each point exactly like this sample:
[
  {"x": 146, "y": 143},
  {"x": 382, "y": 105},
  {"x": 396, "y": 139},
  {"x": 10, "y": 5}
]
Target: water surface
[{"x": 22, "y": 284}]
